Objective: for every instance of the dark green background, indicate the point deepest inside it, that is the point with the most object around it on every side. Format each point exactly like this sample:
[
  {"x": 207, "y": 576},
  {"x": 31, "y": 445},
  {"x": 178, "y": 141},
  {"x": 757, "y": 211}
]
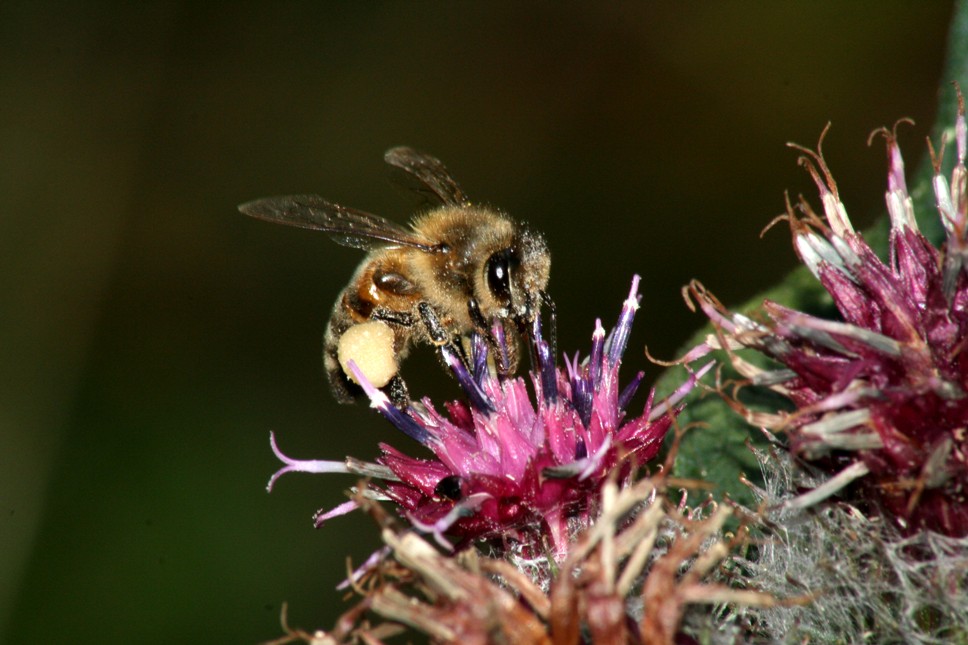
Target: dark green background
[{"x": 152, "y": 336}]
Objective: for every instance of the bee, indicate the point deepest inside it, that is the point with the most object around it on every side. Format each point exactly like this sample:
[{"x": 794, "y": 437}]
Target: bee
[{"x": 458, "y": 268}]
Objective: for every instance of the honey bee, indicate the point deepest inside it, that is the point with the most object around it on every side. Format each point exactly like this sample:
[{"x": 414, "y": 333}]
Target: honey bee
[{"x": 457, "y": 269}]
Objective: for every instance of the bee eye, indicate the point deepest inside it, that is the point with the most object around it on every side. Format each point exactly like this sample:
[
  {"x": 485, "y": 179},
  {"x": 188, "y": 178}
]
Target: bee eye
[{"x": 499, "y": 275}]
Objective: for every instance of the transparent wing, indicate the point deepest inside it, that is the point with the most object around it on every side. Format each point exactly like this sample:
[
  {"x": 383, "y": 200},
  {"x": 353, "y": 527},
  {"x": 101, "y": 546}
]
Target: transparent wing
[
  {"x": 347, "y": 226},
  {"x": 432, "y": 177}
]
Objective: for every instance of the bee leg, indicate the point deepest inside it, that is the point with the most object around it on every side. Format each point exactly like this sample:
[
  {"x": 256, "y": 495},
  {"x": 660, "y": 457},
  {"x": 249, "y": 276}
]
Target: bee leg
[
  {"x": 439, "y": 335},
  {"x": 436, "y": 331},
  {"x": 341, "y": 387},
  {"x": 502, "y": 355},
  {"x": 402, "y": 318},
  {"x": 396, "y": 389},
  {"x": 480, "y": 324}
]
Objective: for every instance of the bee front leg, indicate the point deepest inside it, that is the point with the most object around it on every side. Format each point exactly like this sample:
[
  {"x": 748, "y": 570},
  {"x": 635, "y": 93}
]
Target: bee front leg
[
  {"x": 436, "y": 331},
  {"x": 439, "y": 335},
  {"x": 502, "y": 354}
]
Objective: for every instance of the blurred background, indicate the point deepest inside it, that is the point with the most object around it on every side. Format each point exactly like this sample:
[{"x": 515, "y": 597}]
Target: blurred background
[{"x": 152, "y": 336}]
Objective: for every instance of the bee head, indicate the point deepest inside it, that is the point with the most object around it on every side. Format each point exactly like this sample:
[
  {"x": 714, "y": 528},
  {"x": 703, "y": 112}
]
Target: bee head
[{"x": 517, "y": 275}]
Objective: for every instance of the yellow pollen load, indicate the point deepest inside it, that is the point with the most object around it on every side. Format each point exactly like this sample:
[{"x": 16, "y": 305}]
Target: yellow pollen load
[{"x": 370, "y": 346}]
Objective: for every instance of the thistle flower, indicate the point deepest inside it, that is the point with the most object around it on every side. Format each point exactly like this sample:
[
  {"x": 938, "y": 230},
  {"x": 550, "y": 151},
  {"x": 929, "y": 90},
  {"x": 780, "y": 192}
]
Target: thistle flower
[
  {"x": 639, "y": 574},
  {"x": 881, "y": 397},
  {"x": 521, "y": 470}
]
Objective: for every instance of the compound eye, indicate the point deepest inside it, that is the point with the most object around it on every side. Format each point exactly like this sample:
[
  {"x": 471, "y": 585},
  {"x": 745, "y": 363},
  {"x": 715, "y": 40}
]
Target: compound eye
[{"x": 499, "y": 275}]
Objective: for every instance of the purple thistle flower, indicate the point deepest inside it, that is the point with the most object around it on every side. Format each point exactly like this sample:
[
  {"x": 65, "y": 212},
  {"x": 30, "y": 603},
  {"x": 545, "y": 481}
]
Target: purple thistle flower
[
  {"x": 510, "y": 465},
  {"x": 881, "y": 397}
]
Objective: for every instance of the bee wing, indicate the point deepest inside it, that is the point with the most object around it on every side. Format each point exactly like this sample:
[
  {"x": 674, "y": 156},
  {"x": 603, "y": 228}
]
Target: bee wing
[
  {"x": 347, "y": 226},
  {"x": 430, "y": 173}
]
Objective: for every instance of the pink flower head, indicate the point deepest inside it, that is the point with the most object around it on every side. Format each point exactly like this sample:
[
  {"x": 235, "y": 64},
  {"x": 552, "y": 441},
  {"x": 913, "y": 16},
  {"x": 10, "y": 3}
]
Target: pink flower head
[
  {"x": 882, "y": 396},
  {"x": 510, "y": 465}
]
